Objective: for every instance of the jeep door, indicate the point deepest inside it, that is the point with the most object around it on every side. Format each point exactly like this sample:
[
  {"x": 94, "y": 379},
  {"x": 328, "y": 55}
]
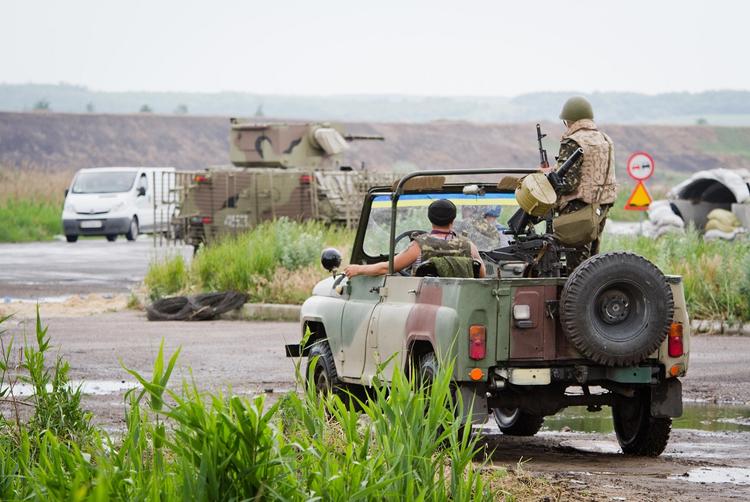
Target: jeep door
[{"x": 364, "y": 295}]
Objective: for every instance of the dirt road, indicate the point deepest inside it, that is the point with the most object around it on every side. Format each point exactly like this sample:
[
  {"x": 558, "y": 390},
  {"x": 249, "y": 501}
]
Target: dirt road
[{"x": 248, "y": 358}]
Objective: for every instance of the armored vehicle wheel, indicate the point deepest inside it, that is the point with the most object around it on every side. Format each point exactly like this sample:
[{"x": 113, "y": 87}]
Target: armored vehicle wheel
[
  {"x": 637, "y": 431},
  {"x": 133, "y": 231},
  {"x": 514, "y": 422},
  {"x": 71, "y": 238},
  {"x": 111, "y": 237},
  {"x": 616, "y": 308}
]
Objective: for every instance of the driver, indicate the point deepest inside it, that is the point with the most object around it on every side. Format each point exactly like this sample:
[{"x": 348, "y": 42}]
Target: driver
[{"x": 442, "y": 241}]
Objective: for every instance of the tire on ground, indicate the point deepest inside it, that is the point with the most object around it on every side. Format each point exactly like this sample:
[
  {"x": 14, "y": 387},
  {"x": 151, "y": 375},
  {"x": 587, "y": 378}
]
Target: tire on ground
[
  {"x": 325, "y": 379},
  {"x": 616, "y": 308},
  {"x": 514, "y": 422},
  {"x": 637, "y": 431}
]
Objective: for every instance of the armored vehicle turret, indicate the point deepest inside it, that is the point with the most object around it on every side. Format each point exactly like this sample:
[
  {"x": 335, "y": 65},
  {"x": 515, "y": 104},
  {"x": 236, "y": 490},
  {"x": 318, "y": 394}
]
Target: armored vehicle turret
[{"x": 277, "y": 169}]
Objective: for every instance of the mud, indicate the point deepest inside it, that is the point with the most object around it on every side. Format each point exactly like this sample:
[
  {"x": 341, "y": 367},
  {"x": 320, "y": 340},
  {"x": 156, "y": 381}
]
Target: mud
[{"x": 707, "y": 457}]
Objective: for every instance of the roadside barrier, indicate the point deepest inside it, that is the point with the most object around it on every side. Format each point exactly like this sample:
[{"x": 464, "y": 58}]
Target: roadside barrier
[{"x": 201, "y": 307}]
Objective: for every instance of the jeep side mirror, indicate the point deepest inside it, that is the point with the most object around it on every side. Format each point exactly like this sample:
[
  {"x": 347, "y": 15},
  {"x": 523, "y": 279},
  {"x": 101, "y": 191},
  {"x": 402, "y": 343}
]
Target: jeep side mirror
[
  {"x": 330, "y": 258},
  {"x": 141, "y": 191}
]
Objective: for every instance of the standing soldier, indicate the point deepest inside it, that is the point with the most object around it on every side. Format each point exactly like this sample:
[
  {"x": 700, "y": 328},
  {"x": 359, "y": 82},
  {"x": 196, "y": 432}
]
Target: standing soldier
[{"x": 591, "y": 179}]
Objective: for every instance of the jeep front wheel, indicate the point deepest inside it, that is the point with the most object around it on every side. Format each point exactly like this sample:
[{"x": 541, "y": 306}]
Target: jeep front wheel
[
  {"x": 514, "y": 422},
  {"x": 637, "y": 431},
  {"x": 324, "y": 376}
]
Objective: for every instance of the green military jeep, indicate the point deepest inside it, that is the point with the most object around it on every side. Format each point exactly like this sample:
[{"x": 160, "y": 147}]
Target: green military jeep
[{"x": 528, "y": 340}]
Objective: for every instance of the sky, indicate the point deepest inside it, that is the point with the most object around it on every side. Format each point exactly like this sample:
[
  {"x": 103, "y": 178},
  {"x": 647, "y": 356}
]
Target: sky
[{"x": 436, "y": 47}]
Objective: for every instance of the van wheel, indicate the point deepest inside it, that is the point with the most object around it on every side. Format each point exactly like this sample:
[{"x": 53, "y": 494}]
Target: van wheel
[
  {"x": 111, "y": 237},
  {"x": 71, "y": 238},
  {"x": 514, "y": 422},
  {"x": 133, "y": 232}
]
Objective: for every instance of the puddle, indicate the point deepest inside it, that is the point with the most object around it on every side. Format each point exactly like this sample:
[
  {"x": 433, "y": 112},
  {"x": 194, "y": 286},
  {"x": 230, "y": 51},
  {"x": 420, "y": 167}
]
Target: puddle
[
  {"x": 733, "y": 475},
  {"x": 591, "y": 446},
  {"x": 702, "y": 417},
  {"x": 88, "y": 387}
]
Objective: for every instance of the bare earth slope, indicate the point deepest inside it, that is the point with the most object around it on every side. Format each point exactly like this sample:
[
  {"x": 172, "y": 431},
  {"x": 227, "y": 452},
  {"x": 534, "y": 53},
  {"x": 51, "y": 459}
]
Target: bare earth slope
[{"x": 55, "y": 140}]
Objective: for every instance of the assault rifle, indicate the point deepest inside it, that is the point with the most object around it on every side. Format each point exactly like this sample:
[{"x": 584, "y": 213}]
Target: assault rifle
[
  {"x": 542, "y": 152},
  {"x": 521, "y": 219}
]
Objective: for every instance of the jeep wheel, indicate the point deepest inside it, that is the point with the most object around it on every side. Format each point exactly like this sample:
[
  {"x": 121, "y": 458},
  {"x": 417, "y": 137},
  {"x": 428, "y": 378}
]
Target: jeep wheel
[
  {"x": 514, "y": 422},
  {"x": 616, "y": 308},
  {"x": 325, "y": 378},
  {"x": 637, "y": 431}
]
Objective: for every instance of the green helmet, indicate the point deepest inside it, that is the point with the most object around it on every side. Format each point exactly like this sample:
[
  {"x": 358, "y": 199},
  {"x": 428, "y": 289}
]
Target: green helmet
[{"x": 577, "y": 108}]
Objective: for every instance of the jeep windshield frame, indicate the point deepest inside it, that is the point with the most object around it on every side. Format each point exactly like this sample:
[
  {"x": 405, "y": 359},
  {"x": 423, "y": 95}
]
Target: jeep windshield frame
[{"x": 455, "y": 187}]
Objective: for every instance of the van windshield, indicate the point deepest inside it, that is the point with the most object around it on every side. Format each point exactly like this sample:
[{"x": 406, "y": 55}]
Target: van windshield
[{"x": 104, "y": 182}]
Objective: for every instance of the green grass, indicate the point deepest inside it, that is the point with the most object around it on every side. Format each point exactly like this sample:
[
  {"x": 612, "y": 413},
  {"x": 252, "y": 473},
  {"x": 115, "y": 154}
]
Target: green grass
[
  {"x": 716, "y": 274},
  {"x": 27, "y": 220},
  {"x": 276, "y": 262},
  {"x": 403, "y": 444}
]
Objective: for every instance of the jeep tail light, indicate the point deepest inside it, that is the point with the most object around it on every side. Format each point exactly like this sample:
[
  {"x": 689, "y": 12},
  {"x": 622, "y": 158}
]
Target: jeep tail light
[
  {"x": 207, "y": 220},
  {"x": 477, "y": 342},
  {"x": 305, "y": 179},
  {"x": 200, "y": 178},
  {"x": 674, "y": 346}
]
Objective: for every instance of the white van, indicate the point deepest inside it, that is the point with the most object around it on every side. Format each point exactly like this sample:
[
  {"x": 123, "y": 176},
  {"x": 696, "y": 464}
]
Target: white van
[{"x": 111, "y": 201}]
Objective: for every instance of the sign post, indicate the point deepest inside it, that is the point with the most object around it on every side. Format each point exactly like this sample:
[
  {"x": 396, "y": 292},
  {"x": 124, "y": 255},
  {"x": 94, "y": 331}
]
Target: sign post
[{"x": 640, "y": 168}]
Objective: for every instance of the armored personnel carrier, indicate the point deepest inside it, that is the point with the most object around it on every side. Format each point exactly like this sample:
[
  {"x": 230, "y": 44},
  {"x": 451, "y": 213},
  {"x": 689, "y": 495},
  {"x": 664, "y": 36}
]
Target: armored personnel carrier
[{"x": 278, "y": 170}]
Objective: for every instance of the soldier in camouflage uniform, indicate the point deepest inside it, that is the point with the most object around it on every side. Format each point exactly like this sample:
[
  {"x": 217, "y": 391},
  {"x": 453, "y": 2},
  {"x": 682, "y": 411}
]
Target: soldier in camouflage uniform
[
  {"x": 441, "y": 242},
  {"x": 592, "y": 178}
]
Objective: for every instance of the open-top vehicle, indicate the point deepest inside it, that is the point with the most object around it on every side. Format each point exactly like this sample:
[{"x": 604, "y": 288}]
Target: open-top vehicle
[{"x": 528, "y": 340}]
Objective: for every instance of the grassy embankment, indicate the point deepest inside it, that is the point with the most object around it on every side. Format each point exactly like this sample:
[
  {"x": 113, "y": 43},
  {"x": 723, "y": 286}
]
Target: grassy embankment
[
  {"x": 31, "y": 202},
  {"x": 189, "y": 445},
  {"x": 278, "y": 263}
]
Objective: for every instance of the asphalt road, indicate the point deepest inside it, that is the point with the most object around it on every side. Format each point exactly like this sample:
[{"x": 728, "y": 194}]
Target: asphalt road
[{"x": 57, "y": 268}]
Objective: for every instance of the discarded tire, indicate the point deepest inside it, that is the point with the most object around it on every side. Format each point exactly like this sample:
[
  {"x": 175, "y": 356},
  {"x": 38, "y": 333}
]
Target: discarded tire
[
  {"x": 616, "y": 308},
  {"x": 194, "y": 308}
]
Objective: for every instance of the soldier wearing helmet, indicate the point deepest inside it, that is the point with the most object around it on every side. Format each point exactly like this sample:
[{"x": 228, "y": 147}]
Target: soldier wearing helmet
[
  {"x": 441, "y": 242},
  {"x": 591, "y": 180}
]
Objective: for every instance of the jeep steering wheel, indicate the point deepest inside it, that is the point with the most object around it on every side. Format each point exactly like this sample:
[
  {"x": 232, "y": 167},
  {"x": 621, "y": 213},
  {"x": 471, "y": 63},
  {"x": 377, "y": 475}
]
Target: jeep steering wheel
[{"x": 406, "y": 271}]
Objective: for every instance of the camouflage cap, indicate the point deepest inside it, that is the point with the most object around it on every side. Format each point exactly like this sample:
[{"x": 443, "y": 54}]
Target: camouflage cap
[
  {"x": 577, "y": 108},
  {"x": 441, "y": 212}
]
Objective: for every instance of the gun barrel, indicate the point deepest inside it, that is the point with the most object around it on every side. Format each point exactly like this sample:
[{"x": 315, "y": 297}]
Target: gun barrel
[
  {"x": 565, "y": 167},
  {"x": 357, "y": 137}
]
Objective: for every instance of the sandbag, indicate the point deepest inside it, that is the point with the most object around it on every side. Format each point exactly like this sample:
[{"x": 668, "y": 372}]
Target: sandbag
[
  {"x": 723, "y": 216},
  {"x": 714, "y": 224},
  {"x": 670, "y": 220},
  {"x": 713, "y": 235}
]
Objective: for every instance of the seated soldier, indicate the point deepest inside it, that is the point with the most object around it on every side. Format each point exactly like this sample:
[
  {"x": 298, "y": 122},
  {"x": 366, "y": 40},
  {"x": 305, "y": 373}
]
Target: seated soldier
[{"x": 440, "y": 244}]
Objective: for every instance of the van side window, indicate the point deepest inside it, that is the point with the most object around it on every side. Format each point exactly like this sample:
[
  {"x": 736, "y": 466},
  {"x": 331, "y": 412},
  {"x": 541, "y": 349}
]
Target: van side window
[{"x": 142, "y": 183}]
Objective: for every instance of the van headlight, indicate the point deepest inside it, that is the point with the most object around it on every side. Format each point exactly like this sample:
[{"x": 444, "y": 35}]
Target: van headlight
[
  {"x": 118, "y": 206},
  {"x": 69, "y": 207}
]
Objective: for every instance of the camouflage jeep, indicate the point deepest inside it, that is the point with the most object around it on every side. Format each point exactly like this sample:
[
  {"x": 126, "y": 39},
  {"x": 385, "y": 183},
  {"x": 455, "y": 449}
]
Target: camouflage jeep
[{"x": 528, "y": 340}]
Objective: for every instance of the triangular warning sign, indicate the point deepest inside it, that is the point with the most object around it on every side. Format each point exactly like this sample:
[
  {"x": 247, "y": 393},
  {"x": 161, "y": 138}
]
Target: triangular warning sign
[{"x": 640, "y": 198}]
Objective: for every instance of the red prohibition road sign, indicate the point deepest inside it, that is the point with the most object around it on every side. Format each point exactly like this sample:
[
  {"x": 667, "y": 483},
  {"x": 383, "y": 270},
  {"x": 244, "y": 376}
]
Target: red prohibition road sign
[{"x": 640, "y": 166}]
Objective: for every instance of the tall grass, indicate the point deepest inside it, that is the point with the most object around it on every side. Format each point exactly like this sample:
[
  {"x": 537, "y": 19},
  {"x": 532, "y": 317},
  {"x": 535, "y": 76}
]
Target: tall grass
[
  {"x": 716, "y": 274},
  {"x": 275, "y": 262},
  {"x": 31, "y": 201},
  {"x": 190, "y": 445}
]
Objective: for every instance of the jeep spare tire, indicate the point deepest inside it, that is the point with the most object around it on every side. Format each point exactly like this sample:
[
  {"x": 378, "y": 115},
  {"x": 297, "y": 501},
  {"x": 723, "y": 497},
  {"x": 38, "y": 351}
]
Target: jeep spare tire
[{"x": 616, "y": 308}]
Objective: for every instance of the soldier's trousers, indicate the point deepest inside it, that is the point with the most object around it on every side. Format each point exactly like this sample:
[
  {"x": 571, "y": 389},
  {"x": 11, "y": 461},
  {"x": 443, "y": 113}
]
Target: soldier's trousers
[{"x": 581, "y": 253}]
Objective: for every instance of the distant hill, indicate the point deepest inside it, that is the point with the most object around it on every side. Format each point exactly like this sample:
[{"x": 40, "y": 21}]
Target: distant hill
[
  {"x": 730, "y": 108},
  {"x": 56, "y": 140}
]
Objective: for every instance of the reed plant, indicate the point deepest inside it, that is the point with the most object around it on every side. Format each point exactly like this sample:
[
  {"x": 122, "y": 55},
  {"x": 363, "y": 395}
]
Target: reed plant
[{"x": 403, "y": 443}]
